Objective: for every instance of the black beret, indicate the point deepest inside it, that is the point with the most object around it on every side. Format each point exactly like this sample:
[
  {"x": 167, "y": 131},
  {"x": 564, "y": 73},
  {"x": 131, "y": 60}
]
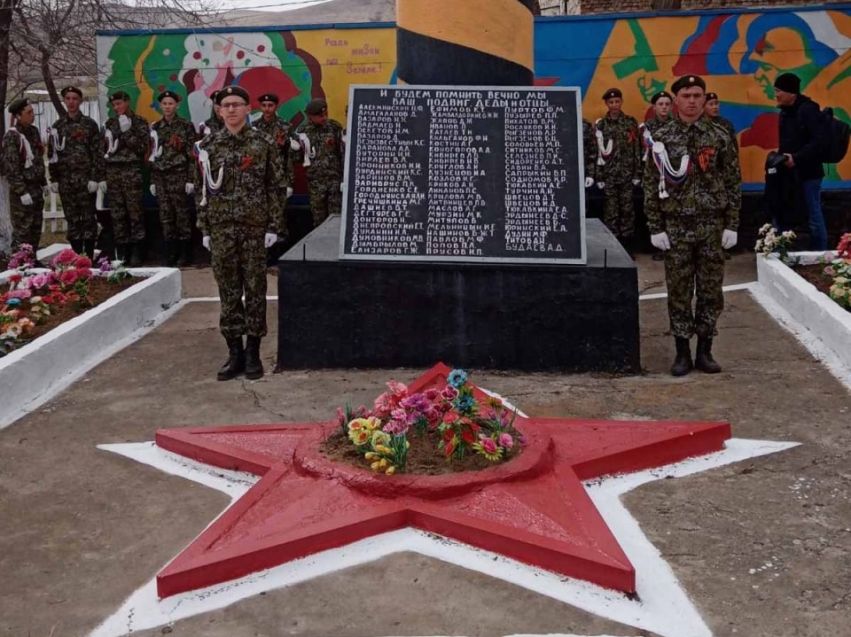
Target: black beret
[
  {"x": 119, "y": 95},
  {"x": 687, "y": 81},
  {"x": 170, "y": 94},
  {"x": 18, "y": 105},
  {"x": 269, "y": 97},
  {"x": 612, "y": 93},
  {"x": 660, "y": 95},
  {"x": 711, "y": 96},
  {"x": 71, "y": 89},
  {"x": 229, "y": 91},
  {"x": 316, "y": 107}
]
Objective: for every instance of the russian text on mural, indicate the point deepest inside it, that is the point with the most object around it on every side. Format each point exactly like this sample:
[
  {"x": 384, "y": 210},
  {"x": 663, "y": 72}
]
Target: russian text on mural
[{"x": 464, "y": 174}]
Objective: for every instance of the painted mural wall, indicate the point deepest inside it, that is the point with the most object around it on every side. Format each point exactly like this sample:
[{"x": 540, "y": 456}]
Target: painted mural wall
[{"x": 739, "y": 54}]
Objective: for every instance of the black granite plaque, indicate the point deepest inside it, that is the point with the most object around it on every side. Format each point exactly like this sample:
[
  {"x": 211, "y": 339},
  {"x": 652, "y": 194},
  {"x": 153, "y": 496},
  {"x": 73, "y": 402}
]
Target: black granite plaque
[{"x": 472, "y": 174}]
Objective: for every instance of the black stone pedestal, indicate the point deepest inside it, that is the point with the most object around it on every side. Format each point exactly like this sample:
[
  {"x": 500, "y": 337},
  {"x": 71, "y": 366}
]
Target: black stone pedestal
[{"x": 387, "y": 314}]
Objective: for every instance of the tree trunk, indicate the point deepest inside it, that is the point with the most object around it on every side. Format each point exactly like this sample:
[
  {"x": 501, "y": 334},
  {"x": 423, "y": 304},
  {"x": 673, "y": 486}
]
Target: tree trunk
[
  {"x": 7, "y": 9},
  {"x": 49, "y": 84}
]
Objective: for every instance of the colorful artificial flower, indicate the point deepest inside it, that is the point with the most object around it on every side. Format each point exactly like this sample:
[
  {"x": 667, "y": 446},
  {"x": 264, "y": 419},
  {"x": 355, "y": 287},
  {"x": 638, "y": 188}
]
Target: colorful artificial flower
[{"x": 457, "y": 378}]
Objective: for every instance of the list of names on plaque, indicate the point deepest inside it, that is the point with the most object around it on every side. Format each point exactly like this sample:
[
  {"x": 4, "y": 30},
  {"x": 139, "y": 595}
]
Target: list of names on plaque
[{"x": 463, "y": 174}]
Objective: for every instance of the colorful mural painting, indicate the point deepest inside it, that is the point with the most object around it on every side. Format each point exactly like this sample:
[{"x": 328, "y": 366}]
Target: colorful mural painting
[{"x": 739, "y": 54}]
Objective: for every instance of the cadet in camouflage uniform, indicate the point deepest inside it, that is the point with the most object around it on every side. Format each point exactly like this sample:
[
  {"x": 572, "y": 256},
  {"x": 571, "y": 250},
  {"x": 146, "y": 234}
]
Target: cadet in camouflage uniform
[
  {"x": 127, "y": 141},
  {"x": 23, "y": 164},
  {"x": 662, "y": 103},
  {"x": 692, "y": 197},
  {"x": 279, "y": 131},
  {"x": 173, "y": 176},
  {"x": 712, "y": 110},
  {"x": 237, "y": 186},
  {"x": 322, "y": 156},
  {"x": 589, "y": 147},
  {"x": 214, "y": 123},
  {"x": 77, "y": 171},
  {"x": 619, "y": 167}
]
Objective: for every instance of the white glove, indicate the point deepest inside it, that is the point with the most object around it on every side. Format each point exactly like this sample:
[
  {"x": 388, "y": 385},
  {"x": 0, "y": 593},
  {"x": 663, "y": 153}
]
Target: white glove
[
  {"x": 636, "y": 182},
  {"x": 54, "y": 186},
  {"x": 92, "y": 187},
  {"x": 589, "y": 181},
  {"x": 601, "y": 185},
  {"x": 270, "y": 239},
  {"x": 124, "y": 123},
  {"x": 207, "y": 243},
  {"x": 289, "y": 192},
  {"x": 190, "y": 188},
  {"x": 102, "y": 186},
  {"x": 27, "y": 199},
  {"x": 295, "y": 145},
  {"x": 661, "y": 241},
  {"x": 154, "y": 190},
  {"x": 729, "y": 239}
]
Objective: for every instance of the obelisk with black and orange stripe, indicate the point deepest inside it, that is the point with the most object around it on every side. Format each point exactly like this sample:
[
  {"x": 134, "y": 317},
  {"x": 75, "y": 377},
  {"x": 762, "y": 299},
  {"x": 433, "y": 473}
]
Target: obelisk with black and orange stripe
[{"x": 465, "y": 42}]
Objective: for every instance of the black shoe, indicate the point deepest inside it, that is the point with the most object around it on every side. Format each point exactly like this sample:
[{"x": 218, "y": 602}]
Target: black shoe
[
  {"x": 658, "y": 255},
  {"x": 682, "y": 363},
  {"x": 134, "y": 251},
  {"x": 703, "y": 359},
  {"x": 169, "y": 254},
  {"x": 253, "y": 365},
  {"x": 122, "y": 252},
  {"x": 235, "y": 363},
  {"x": 727, "y": 255},
  {"x": 185, "y": 258},
  {"x": 89, "y": 248}
]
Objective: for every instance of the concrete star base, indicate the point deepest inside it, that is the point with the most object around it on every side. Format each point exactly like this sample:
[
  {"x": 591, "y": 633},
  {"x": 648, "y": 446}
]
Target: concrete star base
[{"x": 533, "y": 509}]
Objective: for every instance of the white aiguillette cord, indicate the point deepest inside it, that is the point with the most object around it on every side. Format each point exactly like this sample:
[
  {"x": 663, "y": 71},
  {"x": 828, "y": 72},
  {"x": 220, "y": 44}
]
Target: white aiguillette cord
[
  {"x": 605, "y": 150},
  {"x": 24, "y": 147},
  {"x": 156, "y": 149},
  {"x": 210, "y": 185}
]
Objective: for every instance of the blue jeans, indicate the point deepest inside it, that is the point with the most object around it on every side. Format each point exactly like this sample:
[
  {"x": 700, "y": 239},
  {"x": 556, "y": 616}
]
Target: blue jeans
[{"x": 818, "y": 230}]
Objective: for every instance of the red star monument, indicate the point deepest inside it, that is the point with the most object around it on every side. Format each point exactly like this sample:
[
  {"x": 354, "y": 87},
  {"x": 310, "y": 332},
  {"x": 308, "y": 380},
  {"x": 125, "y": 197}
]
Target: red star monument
[{"x": 533, "y": 509}]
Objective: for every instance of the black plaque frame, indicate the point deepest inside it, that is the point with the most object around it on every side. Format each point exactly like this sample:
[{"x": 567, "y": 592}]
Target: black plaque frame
[{"x": 345, "y": 230}]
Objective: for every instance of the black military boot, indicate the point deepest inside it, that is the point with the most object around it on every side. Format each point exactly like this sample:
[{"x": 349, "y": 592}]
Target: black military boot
[
  {"x": 236, "y": 360},
  {"x": 682, "y": 363},
  {"x": 703, "y": 359},
  {"x": 253, "y": 365},
  {"x": 76, "y": 245},
  {"x": 185, "y": 259},
  {"x": 167, "y": 258},
  {"x": 121, "y": 252},
  {"x": 89, "y": 248},
  {"x": 134, "y": 251}
]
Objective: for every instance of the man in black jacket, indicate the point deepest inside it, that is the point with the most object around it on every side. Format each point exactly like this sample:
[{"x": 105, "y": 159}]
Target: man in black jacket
[{"x": 802, "y": 139}]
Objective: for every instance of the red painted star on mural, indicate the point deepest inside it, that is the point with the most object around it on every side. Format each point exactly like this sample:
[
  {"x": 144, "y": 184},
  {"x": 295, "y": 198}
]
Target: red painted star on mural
[{"x": 533, "y": 509}]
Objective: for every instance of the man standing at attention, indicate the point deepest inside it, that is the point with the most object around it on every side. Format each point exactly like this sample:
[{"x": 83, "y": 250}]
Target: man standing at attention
[
  {"x": 279, "y": 131},
  {"x": 662, "y": 103},
  {"x": 802, "y": 140},
  {"x": 23, "y": 163},
  {"x": 237, "y": 187},
  {"x": 75, "y": 154},
  {"x": 127, "y": 141},
  {"x": 692, "y": 197},
  {"x": 620, "y": 167},
  {"x": 322, "y": 154}
]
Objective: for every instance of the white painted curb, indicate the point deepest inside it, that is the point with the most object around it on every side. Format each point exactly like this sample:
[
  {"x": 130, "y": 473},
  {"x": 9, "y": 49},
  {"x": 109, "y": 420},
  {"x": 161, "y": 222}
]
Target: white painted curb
[
  {"x": 812, "y": 310},
  {"x": 38, "y": 371}
]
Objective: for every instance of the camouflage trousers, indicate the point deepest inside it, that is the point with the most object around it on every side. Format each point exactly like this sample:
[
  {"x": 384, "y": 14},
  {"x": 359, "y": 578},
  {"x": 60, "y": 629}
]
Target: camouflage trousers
[
  {"x": 78, "y": 206},
  {"x": 695, "y": 269},
  {"x": 175, "y": 216},
  {"x": 325, "y": 199},
  {"x": 618, "y": 209},
  {"x": 239, "y": 265},
  {"x": 27, "y": 220},
  {"x": 126, "y": 202}
]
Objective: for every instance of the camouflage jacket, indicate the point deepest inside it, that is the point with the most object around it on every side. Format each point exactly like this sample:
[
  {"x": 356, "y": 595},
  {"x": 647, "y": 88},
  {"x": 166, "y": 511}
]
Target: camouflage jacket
[
  {"x": 654, "y": 123},
  {"x": 709, "y": 195},
  {"x": 279, "y": 130},
  {"x": 589, "y": 146},
  {"x": 251, "y": 173},
  {"x": 326, "y": 148},
  {"x": 17, "y": 153},
  {"x": 130, "y": 147},
  {"x": 623, "y": 163},
  {"x": 212, "y": 124},
  {"x": 176, "y": 138},
  {"x": 75, "y": 150},
  {"x": 727, "y": 125}
]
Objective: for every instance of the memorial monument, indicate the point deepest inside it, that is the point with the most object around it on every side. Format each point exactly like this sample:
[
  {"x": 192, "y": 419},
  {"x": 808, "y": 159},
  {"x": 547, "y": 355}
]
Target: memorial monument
[{"x": 463, "y": 236}]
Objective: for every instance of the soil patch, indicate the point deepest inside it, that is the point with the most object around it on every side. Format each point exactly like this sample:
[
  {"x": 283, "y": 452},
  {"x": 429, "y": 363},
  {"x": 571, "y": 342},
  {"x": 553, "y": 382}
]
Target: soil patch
[
  {"x": 99, "y": 291},
  {"x": 814, "y": 273},
  {"x": 424, "y": 455}
]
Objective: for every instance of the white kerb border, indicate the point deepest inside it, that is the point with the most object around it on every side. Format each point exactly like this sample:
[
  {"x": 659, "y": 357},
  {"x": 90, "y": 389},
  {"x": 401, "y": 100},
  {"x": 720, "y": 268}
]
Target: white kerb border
[{"x": 41, "y": 369}]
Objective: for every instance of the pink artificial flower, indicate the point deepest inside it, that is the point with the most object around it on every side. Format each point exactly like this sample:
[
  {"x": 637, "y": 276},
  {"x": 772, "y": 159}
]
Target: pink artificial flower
[
  {"x": 449, "y": 393},
  {"x": 488, "y": 444},
  {"x": 19, "y": 294},
  {"x": 505, "y": 440},
  {"x": 39, "y": 281},
  {"x": 83, "y": 262},
  {"x": 84, "y": 273},
  {"x": 829, "y": 271},
  {"x": 66, "y": 257},
  {"x": 68, "y": 277},
  {"x": 398, "y": 389},
  {"x": 383, "y": 404},
  {"x": 431, "y": 394}
]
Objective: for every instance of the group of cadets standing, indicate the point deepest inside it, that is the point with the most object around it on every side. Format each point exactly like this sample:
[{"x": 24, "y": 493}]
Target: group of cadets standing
[{"x": 86, "y": 161}]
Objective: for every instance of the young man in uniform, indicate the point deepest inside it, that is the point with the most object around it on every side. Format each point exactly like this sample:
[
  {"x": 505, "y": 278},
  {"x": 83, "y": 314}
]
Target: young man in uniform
[
  {"x": 77, "y": 171},
  {"x": 662, "y": 104},
  {"x": 23, "y": 162},
  {"x": 127, "y": 141},
  {"x": 620, "y": 170},
  {"x": 278, "y": 131},
  {"x": 237, "y": 185},
  {"x": 590, "y": 152},
  {"x": 172, "y": 177},
  {"x": 692, "y": 197},
  {"x": 214, "y": 123}
]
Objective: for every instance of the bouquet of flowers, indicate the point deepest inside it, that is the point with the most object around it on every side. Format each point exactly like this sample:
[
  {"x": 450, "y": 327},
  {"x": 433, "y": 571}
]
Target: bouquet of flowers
[
  {"x": 771, "y": 242},
  {"x": 840, "y": 270},
  {"x": 449, "y": 418}
]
